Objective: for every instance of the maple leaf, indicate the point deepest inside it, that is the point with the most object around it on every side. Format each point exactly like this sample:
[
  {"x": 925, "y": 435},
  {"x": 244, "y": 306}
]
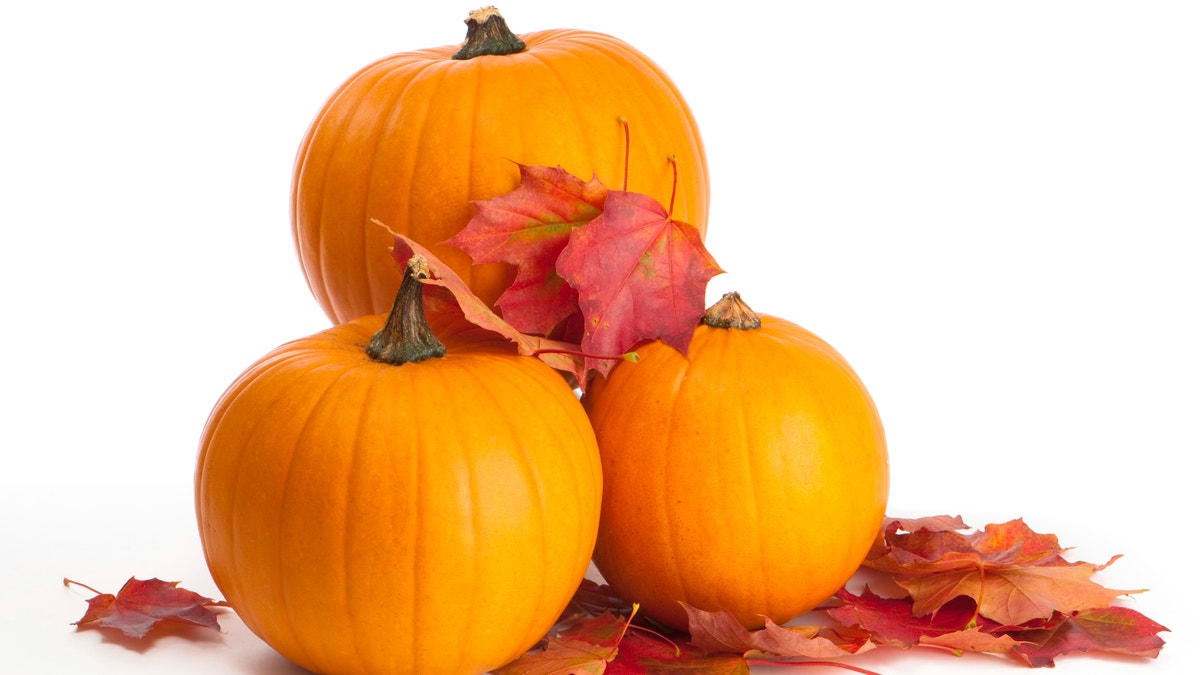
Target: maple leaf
[
  {"x": 562, "y": 657},
  {"x": 563, "y": 356},
  {"x": 972, "y": 640},
  {"x": 720, "y": 631},
  {"x": 529, "y": 227},
  {"x": 891, "y": 621},
  {"x": 928, "y": 523},
  {"x": 141, "y": 604},
  {"x": 1013, "y": 573},
  {"x": 1118, "y": 630},
  {"x": 1013, "y": 594},
  {"x": 925, "y": 551},
  {"x": 640, "y": 276},
  {"x": 585, "y": 648}
]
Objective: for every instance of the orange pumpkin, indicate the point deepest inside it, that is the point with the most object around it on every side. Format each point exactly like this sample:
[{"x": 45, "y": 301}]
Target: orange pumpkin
[
  {"x": 750, "y": 476},
  {"x": 430, "y": 517},
  {"x": 414, "y": 138}
]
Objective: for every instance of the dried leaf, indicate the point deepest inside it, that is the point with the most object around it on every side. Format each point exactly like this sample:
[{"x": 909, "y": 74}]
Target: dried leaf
[
  {"x": 930, "y": 523},
  {"x": 140, "y": 605},
  {"x": 1014, "y": 574},
  {"x": 1013, "y": 594},
  {"x": 973, "y": 640},
  {"x": 1118, "y": 630},
  {"x": 891, "y": 621},
  {"x": 562, "y": 657},
  {"x": 721, "y": 632}
]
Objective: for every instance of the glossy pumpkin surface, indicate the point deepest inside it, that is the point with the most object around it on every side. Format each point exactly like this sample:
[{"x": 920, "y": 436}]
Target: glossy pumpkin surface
[
  {"x": 432, "y": 517},
  {"x": 751, "y": 476},
  {"x": 413, "y": 139}
]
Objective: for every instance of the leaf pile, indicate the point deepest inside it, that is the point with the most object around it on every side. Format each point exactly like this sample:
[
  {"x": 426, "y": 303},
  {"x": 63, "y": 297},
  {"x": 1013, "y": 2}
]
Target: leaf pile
[
  {"x": 1004, "y": 590},
  {"x": 142, "y": 604}
]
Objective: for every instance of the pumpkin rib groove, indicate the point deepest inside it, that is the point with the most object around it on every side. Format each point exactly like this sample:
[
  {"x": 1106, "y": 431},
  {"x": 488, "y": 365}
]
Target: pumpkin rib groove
[
  {"x": 426, "y": 133},
  {"x": 416, "y": 441},
  {"x": 244, "y": 454},
  {"x": 353, "y": 492},
  {"x": 329, "y": 196},
  {"x": 569, "y": 97},
  {"x": 456, "y": 377},
  {"x": 533, "y": 481},
  {"x": 328, "y": 391},
  {"x": 670, "y": 522},
  {"x": 410, "y": 75},
  {"x": 281, "y": 380},
  {"x": 731, "y": 350},
  {"x": 638, "y": 71},
  {"x": 382, "y": 131}
]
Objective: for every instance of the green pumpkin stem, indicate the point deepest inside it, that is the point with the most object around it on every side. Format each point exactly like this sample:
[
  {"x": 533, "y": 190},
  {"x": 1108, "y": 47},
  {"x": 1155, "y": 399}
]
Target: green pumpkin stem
[
  {"x": 488, "y": 34},
  {"x": 406, "y": 336},
  {"x": 731, "y": 312}
]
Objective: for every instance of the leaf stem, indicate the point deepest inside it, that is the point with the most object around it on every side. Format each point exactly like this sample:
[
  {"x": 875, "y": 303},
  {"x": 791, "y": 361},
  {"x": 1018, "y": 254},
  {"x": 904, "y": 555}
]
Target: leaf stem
[
  {"x": 978, "y": 601},
  {"x": 69, "y": 582},
  {"x": 628, "y": 356},
  {"x": 831, "y": 664},
  {"x": 621, "y": 636},
  {"x": 625, "y": 123},
  {"x": 674, "y": 183}
]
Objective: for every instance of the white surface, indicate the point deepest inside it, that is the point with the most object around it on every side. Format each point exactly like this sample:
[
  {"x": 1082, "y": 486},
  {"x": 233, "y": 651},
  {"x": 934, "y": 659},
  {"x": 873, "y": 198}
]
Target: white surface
[{"x": 990, "y": 210}]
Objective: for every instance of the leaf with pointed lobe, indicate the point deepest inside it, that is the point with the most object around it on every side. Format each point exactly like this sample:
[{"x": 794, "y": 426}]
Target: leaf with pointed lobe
[
  {"x": 141, "y": 605},
  {"x": 640, "y": 276}
]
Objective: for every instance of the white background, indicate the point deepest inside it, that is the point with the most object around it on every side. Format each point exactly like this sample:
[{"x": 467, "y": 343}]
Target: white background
[{"x": 989, "y": 208}]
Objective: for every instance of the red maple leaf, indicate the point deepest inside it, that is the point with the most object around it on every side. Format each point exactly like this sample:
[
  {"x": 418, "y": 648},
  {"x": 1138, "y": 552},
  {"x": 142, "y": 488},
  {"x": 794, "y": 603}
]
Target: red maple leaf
[
  {"x": 529, "y": 227},
  {"x": 640, "y": 276},
  {"x": 891, "y": 621},
  {"x": 141, "y": 604},
  {"x": 1117, "y": 630}
]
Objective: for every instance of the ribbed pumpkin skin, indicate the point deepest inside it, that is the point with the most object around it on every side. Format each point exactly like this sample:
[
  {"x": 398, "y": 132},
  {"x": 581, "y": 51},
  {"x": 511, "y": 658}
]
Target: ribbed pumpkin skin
[
  {"x": 433, "y": 517},
  {"x": 414, "y": 138},
  {"x": 751, "y": 478}
]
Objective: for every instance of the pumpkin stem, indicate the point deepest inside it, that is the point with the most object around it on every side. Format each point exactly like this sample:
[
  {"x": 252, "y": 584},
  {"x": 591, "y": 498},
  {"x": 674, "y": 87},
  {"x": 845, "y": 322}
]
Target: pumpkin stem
[
  {"x": 406, "y": 336},
  {"x": 731, "y": 312},
  {"x": 488, "y": 34}
]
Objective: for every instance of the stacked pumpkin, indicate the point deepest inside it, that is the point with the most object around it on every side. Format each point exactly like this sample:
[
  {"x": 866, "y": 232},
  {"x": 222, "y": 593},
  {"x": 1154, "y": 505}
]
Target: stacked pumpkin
[{"x": 360, "y": 490}]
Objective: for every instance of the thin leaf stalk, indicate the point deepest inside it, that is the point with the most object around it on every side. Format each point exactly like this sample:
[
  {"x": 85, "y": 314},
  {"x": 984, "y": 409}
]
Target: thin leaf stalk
[
  {"x": 624, "y": 122},
  {"x": 70, "y": 582},
  {"x": 674, "y": 183},
  {"x": 828, "y": 664}
]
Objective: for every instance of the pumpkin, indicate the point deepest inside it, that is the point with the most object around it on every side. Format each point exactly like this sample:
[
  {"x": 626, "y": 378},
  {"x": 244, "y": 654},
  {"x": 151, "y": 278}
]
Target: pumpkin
[
  {"x": 749, "y": 476},
  {"x": 413, "y": 139},
  {"x": 364, "y": 517}
]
